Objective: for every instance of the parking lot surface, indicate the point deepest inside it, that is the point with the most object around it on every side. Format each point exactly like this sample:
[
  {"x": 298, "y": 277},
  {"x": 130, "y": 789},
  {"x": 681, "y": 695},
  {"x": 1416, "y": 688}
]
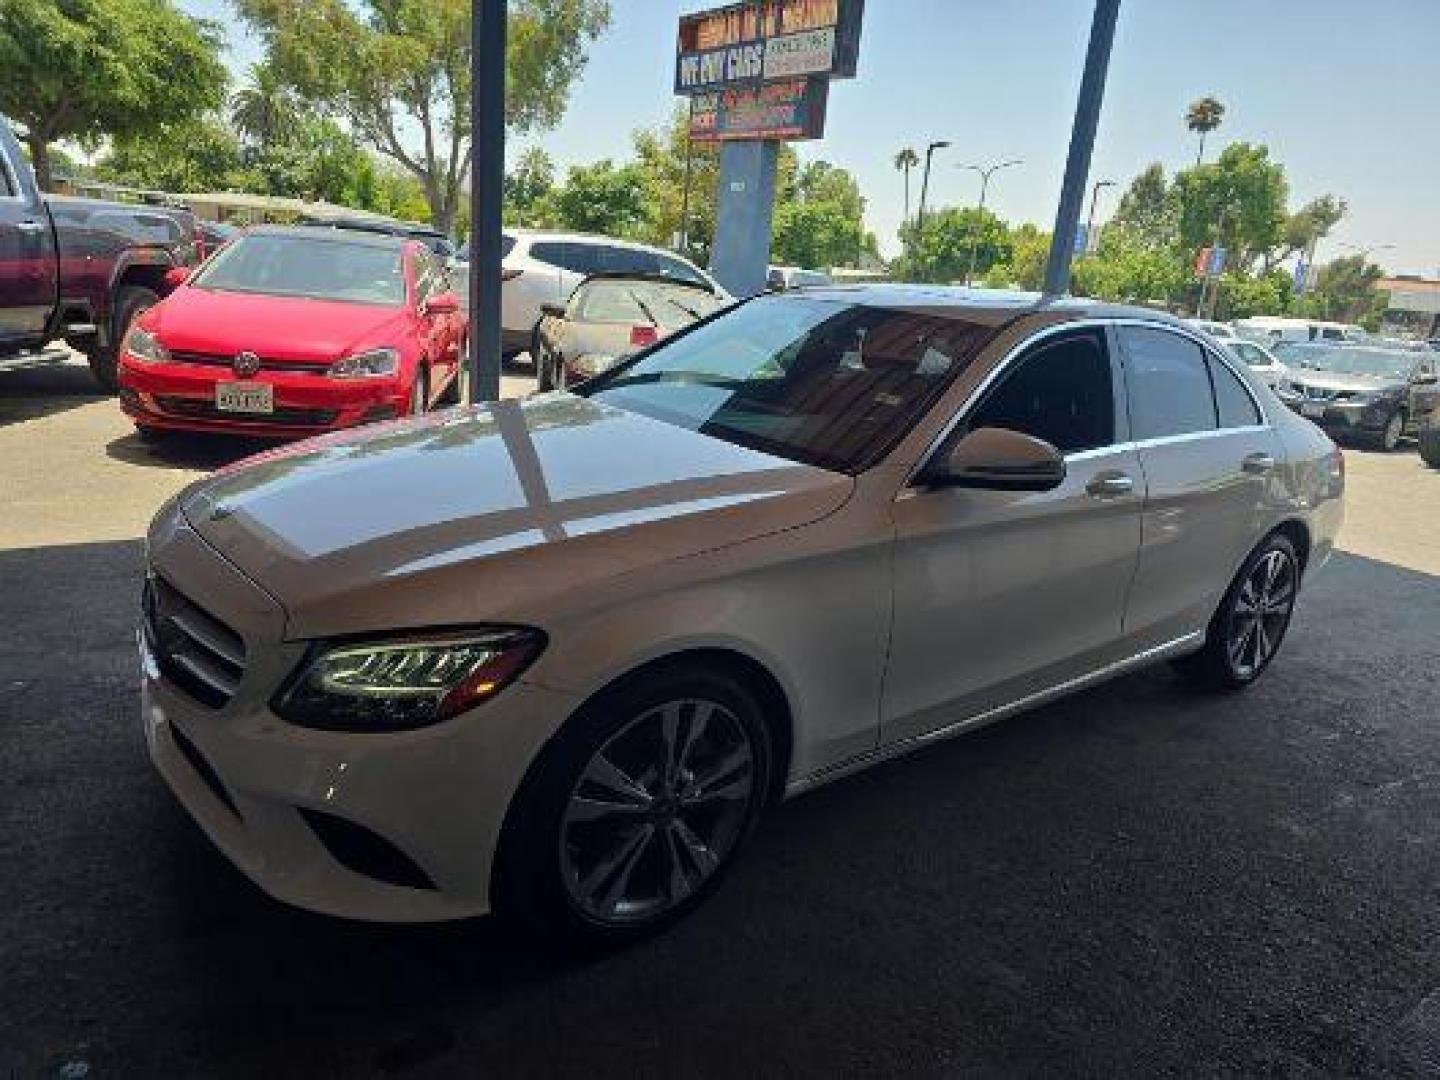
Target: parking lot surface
[{"x": 1138, "y": 880}]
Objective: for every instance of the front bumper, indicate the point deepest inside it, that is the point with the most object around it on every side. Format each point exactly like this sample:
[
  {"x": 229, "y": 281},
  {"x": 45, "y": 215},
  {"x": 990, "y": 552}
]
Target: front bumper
[
  {"x": 437, "y": 796},
  {"x": 1343, "y": 417},
  {"x": 182, "y": 397}
]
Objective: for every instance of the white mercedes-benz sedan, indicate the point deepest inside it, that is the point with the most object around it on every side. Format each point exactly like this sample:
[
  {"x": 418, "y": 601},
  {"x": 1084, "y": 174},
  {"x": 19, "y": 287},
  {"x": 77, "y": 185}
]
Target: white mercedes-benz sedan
[{"x": 553, "y": 658}]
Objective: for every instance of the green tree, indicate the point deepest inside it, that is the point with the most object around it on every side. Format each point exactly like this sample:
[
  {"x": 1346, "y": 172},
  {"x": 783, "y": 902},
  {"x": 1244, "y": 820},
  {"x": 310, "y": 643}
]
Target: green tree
[
  {"x": 193, "y": 155},
  {"x": 1346, "y": 291},
  {"x": 1238, "y": 202},
  {"x": 398, "y": 73},
  {"x": 83, "y": 69},
  {"x": 602, "y": 198},
  {"x": 1025, "y": 267},
  {"x": 661, "y": 154},
  {"x": 1148, "y": 211},
  {"x": 816, "y": 234},
  {"x": 265, "y": 109},
  {"x": 528, "y": 187},
  {"x": 1306, "y": 227},
  {"x": 1202, "y": 117},
  {"x": 940, "y": 247},
  {"x": 1241, "y": 296},
  {"x": 1132, "y": 275},
  {"x": 906, "y": 160}
]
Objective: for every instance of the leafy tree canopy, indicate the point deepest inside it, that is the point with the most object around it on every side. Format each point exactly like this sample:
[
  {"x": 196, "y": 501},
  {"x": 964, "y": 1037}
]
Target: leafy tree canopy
[
  {"x": 82, "y": 69},
  {"x": 1238, "y": 202},
  {"x": 603, "y": 198},
  {"x": 398, "y": 71},
  {"x": 943, "y": 246}
]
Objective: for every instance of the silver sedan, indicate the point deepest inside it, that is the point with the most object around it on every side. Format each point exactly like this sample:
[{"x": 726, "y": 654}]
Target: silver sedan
[{"x": 554, "y": 658}]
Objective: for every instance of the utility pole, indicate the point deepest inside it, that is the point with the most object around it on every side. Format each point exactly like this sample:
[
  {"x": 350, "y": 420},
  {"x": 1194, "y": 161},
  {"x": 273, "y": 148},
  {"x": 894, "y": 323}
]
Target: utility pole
[
  {"x": 1082, "y": 145},
  {"x": 1090, "y": 221},
  {"x": 925, "y": 180},
  {"x": 985, "y": 173},
  {"x": 487, "y": 176}
]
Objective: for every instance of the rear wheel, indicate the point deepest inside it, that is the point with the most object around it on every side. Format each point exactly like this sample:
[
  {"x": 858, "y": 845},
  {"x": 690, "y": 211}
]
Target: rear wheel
[
  {"x": 1430, "y": 446},
  {"x": 131, "y": 301},
  {"x": 1389, "y": 438},
  {"x": 152, "y": 436},
  {"x": 1246, "y": 632},
  {"x": 636, "y": 809}
]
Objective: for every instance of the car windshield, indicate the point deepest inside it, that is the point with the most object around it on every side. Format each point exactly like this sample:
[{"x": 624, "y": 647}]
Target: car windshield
[
  {"x": 642, "y": 301},
  {"x": 1378, "y": 363},
  {"x": 313, "y": 268},
  {"x": 816, "y": 381}
]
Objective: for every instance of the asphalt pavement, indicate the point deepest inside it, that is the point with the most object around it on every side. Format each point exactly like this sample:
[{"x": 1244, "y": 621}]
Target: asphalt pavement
[{"x": 1140, "y": 880}]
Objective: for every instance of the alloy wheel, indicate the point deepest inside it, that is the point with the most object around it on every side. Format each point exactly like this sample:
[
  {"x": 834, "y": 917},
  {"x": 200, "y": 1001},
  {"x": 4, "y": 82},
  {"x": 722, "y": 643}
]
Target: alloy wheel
[
  {"x": 1260, "y": 613},
  {"x": 656, "y": 811}
]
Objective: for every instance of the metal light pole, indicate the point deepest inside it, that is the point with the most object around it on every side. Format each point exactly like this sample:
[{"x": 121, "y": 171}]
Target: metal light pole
[
  {"x": 1082, "y": 144},
  {"x": 925, "y": 181},
  {"x": 1363, "y": 250},
  {"x": 487, "y": 175},
  {"x": 1090, "y": 221},
  {"x": 985, "y": 172}
]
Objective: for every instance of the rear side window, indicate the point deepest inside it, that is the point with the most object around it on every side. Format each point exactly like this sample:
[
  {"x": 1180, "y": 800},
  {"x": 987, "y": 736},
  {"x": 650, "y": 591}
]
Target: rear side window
[
  {"x": 577, "y": 258},
  {"x": 1168, "y": 384},
  {"x": 618, "y": 260},
  {"x": 1060, "y": 392},
  {"x": 1232, "y": 400}
]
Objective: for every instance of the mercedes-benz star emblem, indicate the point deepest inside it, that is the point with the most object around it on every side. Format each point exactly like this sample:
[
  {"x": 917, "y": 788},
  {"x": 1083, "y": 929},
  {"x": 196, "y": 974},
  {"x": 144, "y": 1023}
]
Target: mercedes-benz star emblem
[{"x": 245, "y": 364}]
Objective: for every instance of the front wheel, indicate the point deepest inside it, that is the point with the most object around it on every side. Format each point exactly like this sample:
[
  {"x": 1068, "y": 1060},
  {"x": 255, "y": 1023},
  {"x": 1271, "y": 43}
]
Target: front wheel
[
  {"x": 1430, "y": 447},
  {"x": 1246, "y": 632},
  {"x": 1394, "y": 427},
  {"x": 131, "y": 301},
  {"x": 636, "y": 809}
]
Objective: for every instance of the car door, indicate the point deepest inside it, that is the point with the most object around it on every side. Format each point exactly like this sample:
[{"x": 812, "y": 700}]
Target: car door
[
  {"x": 999, "y": 595},
  {"x": 1208, "y": 458},
  {"x": 27, "y": 254},
  {"x": 441, "y": 342}
]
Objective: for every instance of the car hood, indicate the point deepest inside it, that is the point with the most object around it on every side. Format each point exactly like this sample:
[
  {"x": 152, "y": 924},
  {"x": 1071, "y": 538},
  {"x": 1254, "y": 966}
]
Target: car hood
[
  {"x": 198, "y": 320},
  {"x": 1334, "y": 380},
  {"x": 494, "y": 513}
]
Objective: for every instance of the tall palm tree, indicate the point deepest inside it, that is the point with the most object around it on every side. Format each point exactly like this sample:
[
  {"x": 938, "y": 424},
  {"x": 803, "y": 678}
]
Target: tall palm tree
[
  {"x": 1204, "y": 116},
  {"x": 906, "y": 160},
  {"x": 264, "y": 109}
]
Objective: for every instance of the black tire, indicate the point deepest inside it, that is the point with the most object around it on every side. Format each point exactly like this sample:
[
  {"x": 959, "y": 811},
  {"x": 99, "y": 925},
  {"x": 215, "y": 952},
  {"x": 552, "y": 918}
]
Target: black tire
[
  {"x": 456, "y": 393},
  {"x": 419, "y": 392},
  {"x": 535, "y": 347},
  {"x": 544, "y": 368},
  {"x": 130, "y": 301},
  {"x": 1430, "y": 446},
  {"x": 1388, "y": 440},
  {"x": 1232, "y": 658},
  {"x": 153, "y": 436},
  {"x": 550, "y": 869}
]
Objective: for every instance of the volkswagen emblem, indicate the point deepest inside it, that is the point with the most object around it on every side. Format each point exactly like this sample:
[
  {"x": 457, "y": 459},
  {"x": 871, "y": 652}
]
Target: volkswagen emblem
[{"x": 245, "y": 364}]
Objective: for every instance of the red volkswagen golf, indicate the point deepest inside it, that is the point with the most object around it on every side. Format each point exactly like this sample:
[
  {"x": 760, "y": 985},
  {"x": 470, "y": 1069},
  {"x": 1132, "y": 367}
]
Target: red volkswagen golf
[{"x": 289, "y": 332}]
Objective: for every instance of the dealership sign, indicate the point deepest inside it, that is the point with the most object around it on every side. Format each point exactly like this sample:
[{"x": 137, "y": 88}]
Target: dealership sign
[
  {"x": 767, "y": 41},
  {"x": 792, "y": 109}
]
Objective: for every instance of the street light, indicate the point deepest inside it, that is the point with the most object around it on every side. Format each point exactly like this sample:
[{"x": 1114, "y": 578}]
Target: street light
[
  {"x": 925, "y": 182},
  {"x": 1364, "y": 250},
  {"x": 985, "y": 171},
  {"x": 1090, "y": 221}
]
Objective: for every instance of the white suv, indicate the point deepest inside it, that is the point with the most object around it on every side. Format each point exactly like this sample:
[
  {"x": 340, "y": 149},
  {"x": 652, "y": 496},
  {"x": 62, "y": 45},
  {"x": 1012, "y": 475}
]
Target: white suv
[{"x": 546, "y": 267}]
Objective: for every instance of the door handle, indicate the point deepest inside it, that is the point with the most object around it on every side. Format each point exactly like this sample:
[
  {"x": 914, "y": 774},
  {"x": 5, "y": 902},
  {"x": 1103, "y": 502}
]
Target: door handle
[
  {"x": 30, "y": 226},
  {"x": 1258, "y": 463},
  {"x": 1110, "y": 484}
]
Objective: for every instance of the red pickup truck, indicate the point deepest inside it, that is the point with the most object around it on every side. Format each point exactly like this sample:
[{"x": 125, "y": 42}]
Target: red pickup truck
[{"x": 79, "y": 269}]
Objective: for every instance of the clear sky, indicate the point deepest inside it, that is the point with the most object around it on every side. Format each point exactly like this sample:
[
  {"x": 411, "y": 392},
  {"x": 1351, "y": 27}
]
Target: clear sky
[{"x": 1346, "y": 94}]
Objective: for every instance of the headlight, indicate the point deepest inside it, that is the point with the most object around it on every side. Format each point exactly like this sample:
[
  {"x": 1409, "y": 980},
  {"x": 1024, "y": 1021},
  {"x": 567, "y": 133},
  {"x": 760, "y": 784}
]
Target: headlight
[
  {"x": 406, "y": 684},
  {"x": 366, "y": 365},
  {"x": 145, "y": 346}
]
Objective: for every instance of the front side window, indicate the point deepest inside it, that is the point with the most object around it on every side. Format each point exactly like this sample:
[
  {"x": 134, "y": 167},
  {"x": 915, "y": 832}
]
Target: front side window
[
  {"x": 1060, "y": 392},
  {"x": 825, "y": 383},
  {"x": 1169, "y": 387}
]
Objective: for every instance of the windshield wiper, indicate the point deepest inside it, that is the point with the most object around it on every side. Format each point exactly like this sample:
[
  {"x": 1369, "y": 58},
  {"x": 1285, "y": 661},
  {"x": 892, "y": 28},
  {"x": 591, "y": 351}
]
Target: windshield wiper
[
  {"x": 644, "y": 307},
  {"x": 683, "y": 307}
]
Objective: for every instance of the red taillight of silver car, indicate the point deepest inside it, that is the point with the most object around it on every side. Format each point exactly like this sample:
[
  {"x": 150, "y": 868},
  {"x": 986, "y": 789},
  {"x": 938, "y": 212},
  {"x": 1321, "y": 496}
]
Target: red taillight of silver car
[{"x": 642, "y": 336}]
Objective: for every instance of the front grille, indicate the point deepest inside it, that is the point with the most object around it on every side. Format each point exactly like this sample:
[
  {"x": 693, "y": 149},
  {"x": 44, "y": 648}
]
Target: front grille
[
  {"x": 267, "y": 363},
  {"x": 204, "y": 409},
  {"x": 195, "y": 651}
]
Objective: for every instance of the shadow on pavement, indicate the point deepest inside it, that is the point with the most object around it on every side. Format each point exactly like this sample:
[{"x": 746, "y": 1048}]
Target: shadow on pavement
[
  {"x": 184, "y": 450},
  {"x": 1137, "y": 879},
  {"x": 39, "y": 384}
]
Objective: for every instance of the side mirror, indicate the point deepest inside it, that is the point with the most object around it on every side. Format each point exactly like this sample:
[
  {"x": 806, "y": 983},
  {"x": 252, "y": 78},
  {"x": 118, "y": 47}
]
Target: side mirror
[
  {"x": 446, "y": 303},
  {"x": 177, "y": 276},
  {"x": 998, "y": 459},
  {"x": 555, "y": 311}
]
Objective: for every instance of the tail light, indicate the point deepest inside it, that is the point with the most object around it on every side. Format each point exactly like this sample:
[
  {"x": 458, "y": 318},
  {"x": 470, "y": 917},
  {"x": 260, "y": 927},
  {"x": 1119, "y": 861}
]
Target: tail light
[
  {"x": 641, "y": 336},
  {"x": 509, "y": 273},
  {"x": 1335, "y": 467}
]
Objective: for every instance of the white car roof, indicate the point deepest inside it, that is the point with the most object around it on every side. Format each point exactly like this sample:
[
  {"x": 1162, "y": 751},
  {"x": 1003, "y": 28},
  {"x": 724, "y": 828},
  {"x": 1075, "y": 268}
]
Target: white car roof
[{"x": 546, "y": 236}]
